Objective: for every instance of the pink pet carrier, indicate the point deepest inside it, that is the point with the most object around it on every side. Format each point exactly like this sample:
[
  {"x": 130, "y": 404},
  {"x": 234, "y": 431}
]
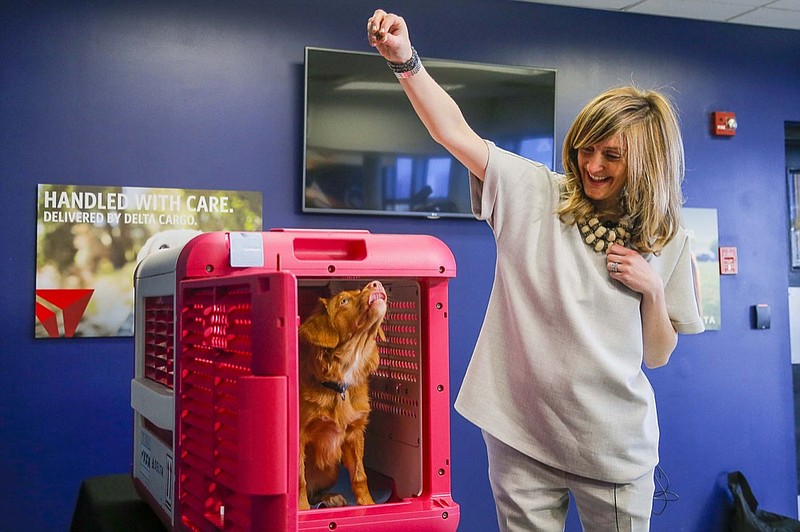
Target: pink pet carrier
[{"x": 215, "y": 393}]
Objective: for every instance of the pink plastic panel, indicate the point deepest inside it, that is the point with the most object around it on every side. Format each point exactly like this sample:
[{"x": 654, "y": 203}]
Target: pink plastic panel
[
  {"x": 436, "y": 392},
  {"x": 325, "y": 253},
  {"x": 413, "y": 515},
  {"x": 232, "y": 413}
]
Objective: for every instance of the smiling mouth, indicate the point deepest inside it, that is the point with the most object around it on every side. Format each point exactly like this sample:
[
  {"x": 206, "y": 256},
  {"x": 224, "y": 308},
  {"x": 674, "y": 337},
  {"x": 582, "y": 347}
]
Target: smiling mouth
[{"x": 597, "y": 179}]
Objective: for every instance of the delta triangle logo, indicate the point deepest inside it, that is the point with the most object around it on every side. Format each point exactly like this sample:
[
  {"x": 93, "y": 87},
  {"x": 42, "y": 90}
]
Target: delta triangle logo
[{"x": 66, "y": 304}]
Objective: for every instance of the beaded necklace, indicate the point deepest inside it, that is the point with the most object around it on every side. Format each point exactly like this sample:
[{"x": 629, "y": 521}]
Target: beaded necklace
[{"x": 600, "y": 236}]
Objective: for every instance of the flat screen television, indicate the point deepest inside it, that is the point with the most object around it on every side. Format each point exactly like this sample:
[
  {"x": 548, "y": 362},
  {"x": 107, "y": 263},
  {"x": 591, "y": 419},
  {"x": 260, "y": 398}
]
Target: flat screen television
[{"x": 367, "y": 152}]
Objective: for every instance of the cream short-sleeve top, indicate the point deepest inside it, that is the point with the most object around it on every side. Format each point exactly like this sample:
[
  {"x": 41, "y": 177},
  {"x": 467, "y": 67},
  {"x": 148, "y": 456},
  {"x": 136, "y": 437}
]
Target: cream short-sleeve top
[{"x": 557, "y": 369}]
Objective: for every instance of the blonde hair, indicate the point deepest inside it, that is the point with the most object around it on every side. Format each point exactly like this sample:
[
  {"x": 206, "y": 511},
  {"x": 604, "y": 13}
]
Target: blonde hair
[{"x": 653, "y": 150}]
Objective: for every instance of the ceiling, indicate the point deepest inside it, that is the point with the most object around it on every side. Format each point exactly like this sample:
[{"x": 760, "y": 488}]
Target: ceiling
[{"x": 774, "y": 14}]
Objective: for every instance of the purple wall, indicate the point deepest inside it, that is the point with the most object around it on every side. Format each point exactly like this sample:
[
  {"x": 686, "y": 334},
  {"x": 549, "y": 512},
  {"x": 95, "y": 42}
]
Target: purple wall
[{"x": 209, "y": 95}]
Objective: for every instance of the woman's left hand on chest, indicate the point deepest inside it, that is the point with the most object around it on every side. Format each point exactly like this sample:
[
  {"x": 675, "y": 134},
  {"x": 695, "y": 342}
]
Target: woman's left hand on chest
[{"x": 631, "y": 269}]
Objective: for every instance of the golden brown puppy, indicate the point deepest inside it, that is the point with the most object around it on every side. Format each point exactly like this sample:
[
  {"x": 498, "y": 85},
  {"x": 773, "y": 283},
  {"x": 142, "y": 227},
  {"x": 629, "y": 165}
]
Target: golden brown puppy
[{"x": 338, "y": 351}]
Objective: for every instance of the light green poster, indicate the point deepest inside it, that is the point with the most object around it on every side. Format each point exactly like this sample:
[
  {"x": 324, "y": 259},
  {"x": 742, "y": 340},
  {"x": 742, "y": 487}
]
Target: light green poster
[{"x": 701, "y": 226}]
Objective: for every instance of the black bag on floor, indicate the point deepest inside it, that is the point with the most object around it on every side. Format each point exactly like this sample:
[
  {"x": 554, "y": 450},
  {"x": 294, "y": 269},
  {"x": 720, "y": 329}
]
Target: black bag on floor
[{"x": 746, "y": 515}]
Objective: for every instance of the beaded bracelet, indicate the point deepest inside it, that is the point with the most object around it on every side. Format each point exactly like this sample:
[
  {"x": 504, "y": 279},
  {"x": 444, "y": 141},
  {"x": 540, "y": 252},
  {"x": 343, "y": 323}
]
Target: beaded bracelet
[{"x": 407, "y": 69}]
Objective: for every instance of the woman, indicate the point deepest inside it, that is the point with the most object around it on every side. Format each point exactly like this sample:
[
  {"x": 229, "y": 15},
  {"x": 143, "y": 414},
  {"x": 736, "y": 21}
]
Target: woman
[{"x": 593, "y": 278}]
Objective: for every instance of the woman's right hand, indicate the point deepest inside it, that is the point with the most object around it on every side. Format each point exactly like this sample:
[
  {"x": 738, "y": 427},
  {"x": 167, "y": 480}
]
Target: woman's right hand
[{"x": 388, "y": 33}]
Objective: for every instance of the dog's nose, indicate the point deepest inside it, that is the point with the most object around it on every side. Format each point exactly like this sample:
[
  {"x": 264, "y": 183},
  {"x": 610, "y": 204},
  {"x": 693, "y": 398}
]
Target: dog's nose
[{"x": 376, "y": 285}]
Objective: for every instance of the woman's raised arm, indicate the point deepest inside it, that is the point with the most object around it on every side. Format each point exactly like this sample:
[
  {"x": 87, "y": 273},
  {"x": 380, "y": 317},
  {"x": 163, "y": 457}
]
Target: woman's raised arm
[{"x": 441, "y": 115}]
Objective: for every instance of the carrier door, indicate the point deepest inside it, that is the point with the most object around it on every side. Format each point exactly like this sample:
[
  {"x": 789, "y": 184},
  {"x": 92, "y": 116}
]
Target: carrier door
[{"x": 238, "y": 403}]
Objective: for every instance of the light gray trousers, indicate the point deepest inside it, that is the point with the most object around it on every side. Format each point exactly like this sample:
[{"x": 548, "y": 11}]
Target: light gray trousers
[{"x": 531, "y": 496}]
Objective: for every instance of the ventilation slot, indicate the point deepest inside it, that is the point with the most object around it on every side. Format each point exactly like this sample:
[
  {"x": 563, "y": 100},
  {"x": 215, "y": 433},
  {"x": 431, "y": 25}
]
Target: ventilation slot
[
  {"x": 159, "y": 335},
  {"x": 396, "y": 382}
]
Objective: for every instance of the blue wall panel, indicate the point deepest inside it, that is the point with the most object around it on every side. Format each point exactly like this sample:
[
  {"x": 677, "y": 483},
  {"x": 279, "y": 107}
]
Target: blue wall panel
[{"x": 209, "y": 95}]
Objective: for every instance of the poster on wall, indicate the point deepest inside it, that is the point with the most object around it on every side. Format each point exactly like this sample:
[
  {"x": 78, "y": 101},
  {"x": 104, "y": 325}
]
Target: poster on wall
[
  {"x": 89, "y": 240},
  {"x": 794, "y": 215},
  {"x": 701, "y": 226}
]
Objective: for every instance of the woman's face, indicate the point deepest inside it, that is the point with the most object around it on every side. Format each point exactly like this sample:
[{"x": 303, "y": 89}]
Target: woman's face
[{"x": 604, "y": 172}]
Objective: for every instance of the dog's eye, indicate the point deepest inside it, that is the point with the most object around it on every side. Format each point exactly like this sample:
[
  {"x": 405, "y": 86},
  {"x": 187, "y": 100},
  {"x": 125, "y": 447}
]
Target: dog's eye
[{"x": 344, "y": 301}]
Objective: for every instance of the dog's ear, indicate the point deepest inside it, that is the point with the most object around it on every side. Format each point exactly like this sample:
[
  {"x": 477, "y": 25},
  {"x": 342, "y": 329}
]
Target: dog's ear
[{"x": 319, "y": 330}]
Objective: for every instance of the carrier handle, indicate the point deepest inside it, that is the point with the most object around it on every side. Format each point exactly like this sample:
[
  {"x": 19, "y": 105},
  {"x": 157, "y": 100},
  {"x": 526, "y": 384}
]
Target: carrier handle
[
  {"x": 329, "y": 249},
  {"x": 332, "y": 244}
]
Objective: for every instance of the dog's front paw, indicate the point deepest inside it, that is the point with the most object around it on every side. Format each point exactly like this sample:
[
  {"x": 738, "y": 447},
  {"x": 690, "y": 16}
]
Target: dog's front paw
[
  {"x": 332, "y": 500},
  {"x": 364, "y": 499}
]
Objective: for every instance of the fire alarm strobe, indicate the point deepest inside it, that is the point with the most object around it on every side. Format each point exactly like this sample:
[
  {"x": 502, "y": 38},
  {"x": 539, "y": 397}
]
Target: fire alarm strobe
[{"x": 724, "y": 123}]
